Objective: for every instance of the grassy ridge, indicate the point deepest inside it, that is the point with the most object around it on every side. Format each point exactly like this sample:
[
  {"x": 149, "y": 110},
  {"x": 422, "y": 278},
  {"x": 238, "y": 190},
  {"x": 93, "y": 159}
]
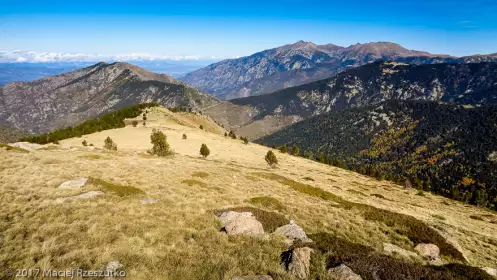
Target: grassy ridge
[{"x": 107, "y": 121}]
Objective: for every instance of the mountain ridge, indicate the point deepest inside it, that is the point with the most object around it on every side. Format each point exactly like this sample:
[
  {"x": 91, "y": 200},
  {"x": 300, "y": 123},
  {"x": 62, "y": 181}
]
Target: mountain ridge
[
  {"x": 67, "y": 99},
  {"x": 303, "y": 62}
]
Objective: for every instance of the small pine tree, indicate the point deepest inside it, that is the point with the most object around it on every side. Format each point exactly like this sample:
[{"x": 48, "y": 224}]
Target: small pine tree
[
  {"x": 160, "y": 145},
  {"x": 109, "y": 144},
  {"x": 284, "y": 149},
  {"x": 201, "y": 127},
  {"x": 134, "y": 123},
  {"x": 144, "y": 119},
  {"x": 84, "y": 143},
  {"x": 184, "y": 136},
  {"x": 225, "y": 134},
  {"x": 271, "y": 158},
  {"x": 204, "y": 151},
  {"x": 295, "y": 150}
]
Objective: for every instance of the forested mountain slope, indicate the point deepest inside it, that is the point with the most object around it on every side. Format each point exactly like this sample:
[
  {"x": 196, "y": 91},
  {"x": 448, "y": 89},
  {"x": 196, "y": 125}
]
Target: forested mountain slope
[{"x": 448, "y": 149}]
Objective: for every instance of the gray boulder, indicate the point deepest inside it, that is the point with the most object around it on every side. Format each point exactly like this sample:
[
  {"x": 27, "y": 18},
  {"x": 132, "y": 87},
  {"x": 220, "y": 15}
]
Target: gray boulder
[
  {"x": 241, "y": 222},
  {"x": 149, "y": 201},
  {"x": 293, "y": 232},
  {"x": 343, "y": 272},
  {"x": 297, "y": 262},
  {"x": 430, "y": 252}
]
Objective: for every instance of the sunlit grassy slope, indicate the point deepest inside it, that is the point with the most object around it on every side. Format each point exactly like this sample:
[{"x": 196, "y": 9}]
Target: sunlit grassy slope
[{"x": 179, "y": 236}]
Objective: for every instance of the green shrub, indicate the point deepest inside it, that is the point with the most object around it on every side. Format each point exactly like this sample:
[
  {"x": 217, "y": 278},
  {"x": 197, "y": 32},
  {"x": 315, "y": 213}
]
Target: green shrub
[
  {"x": 225, "y": 134},
  {"x": 134, "y": 123},
  {"x": 109, "y": 144},
  {"x": 184, "y": 136},
  {"x": 284, "y": 149},
  {"x": 271, "y": 158},
  {"x": 120, "y": 190},
  {"x": 295, "y": 151},
  {"x": 245, "y": 140},
  {"x": 160, "y": 146},
  {"x": 201, "y": 127},
  {"x": 267, "y": 202},
  {"x": 204, "y": 151},
  {"x": 84, "y": 143}
]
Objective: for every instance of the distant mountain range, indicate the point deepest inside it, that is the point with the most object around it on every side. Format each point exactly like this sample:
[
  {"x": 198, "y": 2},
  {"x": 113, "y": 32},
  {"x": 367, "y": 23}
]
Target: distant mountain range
[
  {"x": 68, "y": 99},
  {"x": 301, "y": 63}
]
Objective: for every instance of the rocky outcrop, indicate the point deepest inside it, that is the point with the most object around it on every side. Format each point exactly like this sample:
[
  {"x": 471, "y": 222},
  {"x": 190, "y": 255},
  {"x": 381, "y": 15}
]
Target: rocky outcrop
[
  {"x": 241, "y": 223},
  {"x": 293, "y": 232},
  {"x": 297, "y": 262},
  {"x": 430, "y": 252},
  {"x": 343, "y": 272},
  {"x": 74, "y": 184}
]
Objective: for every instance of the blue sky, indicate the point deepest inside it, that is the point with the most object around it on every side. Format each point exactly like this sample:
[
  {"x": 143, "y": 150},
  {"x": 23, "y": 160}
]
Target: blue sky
[{"x": 239, "y": 27}]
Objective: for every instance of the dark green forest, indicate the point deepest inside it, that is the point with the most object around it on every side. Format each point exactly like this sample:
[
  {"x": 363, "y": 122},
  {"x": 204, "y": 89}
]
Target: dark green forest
[
  {"x": 107, "y": 121},
  {"x": 450, "y": 150}
]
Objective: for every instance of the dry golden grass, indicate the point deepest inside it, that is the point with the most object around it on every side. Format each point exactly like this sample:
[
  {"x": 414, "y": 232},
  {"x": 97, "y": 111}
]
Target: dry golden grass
[{"x": 178, "y": 237}]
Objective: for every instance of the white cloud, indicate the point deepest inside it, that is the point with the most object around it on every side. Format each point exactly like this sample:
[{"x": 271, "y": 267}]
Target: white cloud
[{"x": 30, "y": 56}]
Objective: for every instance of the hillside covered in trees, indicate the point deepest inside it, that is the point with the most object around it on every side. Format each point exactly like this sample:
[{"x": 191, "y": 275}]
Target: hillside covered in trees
[{"x": 450, "y": 150}]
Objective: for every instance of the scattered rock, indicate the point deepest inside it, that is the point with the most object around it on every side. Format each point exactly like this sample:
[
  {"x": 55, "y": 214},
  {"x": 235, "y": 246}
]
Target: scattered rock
[
  {"x": 241, "y": 222},
  {"x": 149, "y": 201},
  {"x": 428, "y": 251},
  {"x": 343, "y": 272},
  {"x": 255, "y": 277},
  {"x": 83, "y": 195},
  {"x": 74, "y": 184},
  {"x": 113, "y": 266},
  {"x": 27, "y": 146},
  {"x": 293, "y": 232},
  {"x": 297, "y": 262},
  {"x": 393, "y": 250},
  {"x": 490, "y": 271}
]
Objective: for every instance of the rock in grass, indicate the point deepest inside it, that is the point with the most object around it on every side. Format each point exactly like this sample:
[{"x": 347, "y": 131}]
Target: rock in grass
[
  {"x": 149, "y": 201},
  {"x": 393, "y": 250},
  {"x": 113, "y": 267},
  {"x": 241, "y": 222},
  {"x": 83, "y": 195},
  {"x": 74, "y": 184},
  {"x": 293, "y": 232},
  {"x": 343, "y": 272},
  {"x": 297, "y": 262},
  {"x": 254, "y": 277},
  {"x": 428, "y": 251}
]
